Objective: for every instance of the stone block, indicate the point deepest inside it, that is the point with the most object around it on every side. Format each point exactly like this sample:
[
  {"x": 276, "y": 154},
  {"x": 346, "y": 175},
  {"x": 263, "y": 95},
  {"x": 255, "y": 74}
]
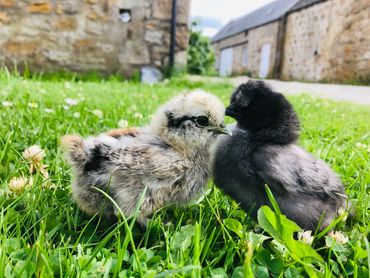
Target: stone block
[
  {"x": 182, "y": 37},
  {"x": 84, "y": 45},
  {"x": 181, "y": 58},
  {"x": 41, "y": 8},
  {"x": 66, "y": 24},
  {"x": 162, "y": 9},
  {"x": 59, "y": 9},
  {"x": 4, "y": 18},
  {"x": 154, "y": 36},
  {"x": 7, "y": 3},
  {"x": 20, "y": 48},
  {"x": 59, "y": 56},
  {"x": 70, "y": 6},
  {"x": 134, "y": 53}
]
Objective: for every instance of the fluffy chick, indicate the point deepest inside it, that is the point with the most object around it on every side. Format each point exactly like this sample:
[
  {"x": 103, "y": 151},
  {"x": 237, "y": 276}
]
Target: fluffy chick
[
  {"x": 170, "y": 158},
  {"x": 263, "y": 150}
]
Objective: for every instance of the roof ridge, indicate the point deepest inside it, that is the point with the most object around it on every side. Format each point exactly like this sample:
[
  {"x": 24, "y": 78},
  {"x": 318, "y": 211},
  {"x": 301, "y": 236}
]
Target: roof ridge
[{"x": 255, "y": 18}]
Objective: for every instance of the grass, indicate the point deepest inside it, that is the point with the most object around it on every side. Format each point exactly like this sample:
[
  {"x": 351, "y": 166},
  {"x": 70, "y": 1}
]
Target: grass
[{"x": 44, "y": 234}]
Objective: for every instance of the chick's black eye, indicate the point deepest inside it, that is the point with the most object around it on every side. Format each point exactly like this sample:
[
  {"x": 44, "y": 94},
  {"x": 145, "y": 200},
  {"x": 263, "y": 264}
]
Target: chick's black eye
[{"x": 202, "y": 121}]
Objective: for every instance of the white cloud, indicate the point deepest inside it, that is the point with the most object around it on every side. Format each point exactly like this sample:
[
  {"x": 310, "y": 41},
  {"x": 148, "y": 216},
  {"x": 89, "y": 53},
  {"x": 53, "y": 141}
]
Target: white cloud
[
  {"x": 209, "y": 32},
  {"x": 225, "y": 9}
]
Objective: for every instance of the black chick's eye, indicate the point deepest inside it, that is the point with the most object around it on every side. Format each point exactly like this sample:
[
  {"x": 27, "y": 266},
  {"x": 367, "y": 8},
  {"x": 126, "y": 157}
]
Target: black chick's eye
[{"x": 202, "y": 121}]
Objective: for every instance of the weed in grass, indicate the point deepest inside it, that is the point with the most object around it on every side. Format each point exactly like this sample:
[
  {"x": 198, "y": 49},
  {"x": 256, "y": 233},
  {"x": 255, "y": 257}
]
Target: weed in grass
[{"x": 43, "y": 233}]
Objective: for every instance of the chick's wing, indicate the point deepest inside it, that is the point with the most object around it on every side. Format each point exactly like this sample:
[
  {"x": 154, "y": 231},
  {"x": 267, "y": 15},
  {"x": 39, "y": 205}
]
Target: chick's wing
[
  {"x": 153, "y": 164},
  {"x": 289, "y": 168}
]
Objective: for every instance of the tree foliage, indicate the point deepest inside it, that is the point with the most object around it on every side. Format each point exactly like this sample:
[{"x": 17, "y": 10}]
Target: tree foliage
[{"x": 201, "y": 58}]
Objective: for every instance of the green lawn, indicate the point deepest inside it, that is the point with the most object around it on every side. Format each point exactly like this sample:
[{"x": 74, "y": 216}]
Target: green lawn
[{"x": 42, "y": 232}]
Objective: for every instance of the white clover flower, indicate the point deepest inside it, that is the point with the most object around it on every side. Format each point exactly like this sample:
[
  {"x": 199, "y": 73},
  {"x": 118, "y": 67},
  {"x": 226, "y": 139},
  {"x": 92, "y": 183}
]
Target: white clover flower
[
  {"x": 338, "y": 236},
  {"x": 49, "y": 111},
  {"x": 98, "y": 113},
  {"x": 122, "y": 123},
  {"x": 138, "y": 115},
  {"x": 76, "y": 115},
  {"x": 306, "y": 237},
  {"x": 34, "y": 153},
  {"x": 17, "y": 184},
  {"x": 7, "y": 103},
  {"x": 33, "y": 105},
  {"x": 67, "y": 85},
  {"x": 71, "y": 102},
  {"x": 66, "y": 107}
]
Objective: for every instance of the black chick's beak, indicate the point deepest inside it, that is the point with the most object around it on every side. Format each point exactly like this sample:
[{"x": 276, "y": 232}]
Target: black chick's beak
[
  {"x": 230, "y": 112},
  {"x": 222, "y": 129}
]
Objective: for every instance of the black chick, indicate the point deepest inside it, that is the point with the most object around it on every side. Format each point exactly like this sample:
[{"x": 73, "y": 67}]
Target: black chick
[{"x": 263, "y": 150}]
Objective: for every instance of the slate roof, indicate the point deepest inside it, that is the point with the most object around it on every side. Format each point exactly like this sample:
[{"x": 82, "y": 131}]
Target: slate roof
[
  {"x": 261, "y": 16},
  {"x": 301, "y": 4}
]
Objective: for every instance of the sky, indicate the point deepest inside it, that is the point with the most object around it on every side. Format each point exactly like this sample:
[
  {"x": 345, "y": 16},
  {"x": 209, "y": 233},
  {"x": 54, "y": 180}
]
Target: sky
[{"x": 213, "y": 14}]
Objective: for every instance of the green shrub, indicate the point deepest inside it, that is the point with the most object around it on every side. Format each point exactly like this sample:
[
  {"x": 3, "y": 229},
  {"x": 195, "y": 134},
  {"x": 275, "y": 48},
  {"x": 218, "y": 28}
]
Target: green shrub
[{"x": 201, "y": 58}]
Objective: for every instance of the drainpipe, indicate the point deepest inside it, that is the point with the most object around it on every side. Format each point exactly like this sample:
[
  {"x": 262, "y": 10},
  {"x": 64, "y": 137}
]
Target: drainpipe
[
  {"x": 280, "y": 42},
  {"x": 173, "y": 36}
]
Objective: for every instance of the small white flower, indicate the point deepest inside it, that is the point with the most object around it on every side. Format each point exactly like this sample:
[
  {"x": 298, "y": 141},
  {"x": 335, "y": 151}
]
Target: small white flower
[
  {"x": 98, "y": 113},
  {"x": 49, "y": 111},
  {"x": 7, "y": 104},
  {"x": 17, "y": 184},
  {"x": 66, "y": 107},
  {"x": 138, "y": 115},
  {"x": 71, "y": 102},
  {"x": 338, "y": 236},
  {"x": 122, "y": 123},
  {"x": 306, "y": 237},
  {"x": 34, "y": 153},
  {"x": 33, "y": 105},
  {"x": 76, "y": 115},
  {"x": 67, "y": 85}
]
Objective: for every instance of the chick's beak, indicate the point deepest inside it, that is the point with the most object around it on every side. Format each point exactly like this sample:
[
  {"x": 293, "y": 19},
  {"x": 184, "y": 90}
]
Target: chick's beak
[{"x": 220, "y": 130}]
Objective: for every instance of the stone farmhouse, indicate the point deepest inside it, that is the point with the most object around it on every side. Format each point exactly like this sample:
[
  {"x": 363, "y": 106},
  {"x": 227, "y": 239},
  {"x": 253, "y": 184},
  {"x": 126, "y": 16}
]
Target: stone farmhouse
[
  {"x": 313, "y": 40},
  {"x": 109, "y": 36}
]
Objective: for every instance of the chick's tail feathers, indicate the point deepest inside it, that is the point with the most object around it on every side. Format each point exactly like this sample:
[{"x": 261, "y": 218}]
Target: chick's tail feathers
[{"x": 75, "y": 147}]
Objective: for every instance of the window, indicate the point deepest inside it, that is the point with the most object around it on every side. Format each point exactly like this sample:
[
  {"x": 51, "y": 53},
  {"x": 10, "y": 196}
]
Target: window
[
  {"x": 245, "y": 56},
  {"x": 125, "y": 15}
]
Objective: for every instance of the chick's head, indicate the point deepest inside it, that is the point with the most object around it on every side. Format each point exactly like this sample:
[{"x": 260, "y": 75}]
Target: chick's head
[
  {"x": 190, "y": 120},
  {"x": 256, "y": 106}
]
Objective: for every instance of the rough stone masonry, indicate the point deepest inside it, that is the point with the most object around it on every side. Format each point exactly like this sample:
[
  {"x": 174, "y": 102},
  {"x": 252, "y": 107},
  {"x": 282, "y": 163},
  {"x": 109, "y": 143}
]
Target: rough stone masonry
[{"x": 109, "y": 36}]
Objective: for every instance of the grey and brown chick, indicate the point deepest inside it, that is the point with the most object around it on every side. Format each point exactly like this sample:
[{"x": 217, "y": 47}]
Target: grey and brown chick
[
  {"x": 263, "y": 150},
  {"x": 170, "y": 158}
]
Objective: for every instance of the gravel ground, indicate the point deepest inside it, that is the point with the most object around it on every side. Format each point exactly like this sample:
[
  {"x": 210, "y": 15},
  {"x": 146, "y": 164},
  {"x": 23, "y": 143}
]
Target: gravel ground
[{"x": 354, "y": 94}]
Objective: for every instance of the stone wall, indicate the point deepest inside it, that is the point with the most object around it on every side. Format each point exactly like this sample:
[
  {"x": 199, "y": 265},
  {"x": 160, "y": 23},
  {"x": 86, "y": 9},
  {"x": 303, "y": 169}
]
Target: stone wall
[
  {"x": 253, "y": 40},
  {"x": 305, "y": 36},
  {"x": 328, "y": 41},
  {"x": 256, "y": 39},
  {"x": 237, "y": 42},
  {"x": 349, "y": 42},
  {"x": 87, "y": 35}
]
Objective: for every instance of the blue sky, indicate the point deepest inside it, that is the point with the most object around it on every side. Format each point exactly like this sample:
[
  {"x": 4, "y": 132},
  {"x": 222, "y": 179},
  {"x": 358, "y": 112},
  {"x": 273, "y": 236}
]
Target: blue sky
[{"x": 215, "y": 13}]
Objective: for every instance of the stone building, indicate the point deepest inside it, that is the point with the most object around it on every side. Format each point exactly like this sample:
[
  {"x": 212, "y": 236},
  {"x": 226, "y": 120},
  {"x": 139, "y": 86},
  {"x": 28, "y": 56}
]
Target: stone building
[
  {"x": 313, "y": 40},
  {"x": 109, "y": 36}
]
